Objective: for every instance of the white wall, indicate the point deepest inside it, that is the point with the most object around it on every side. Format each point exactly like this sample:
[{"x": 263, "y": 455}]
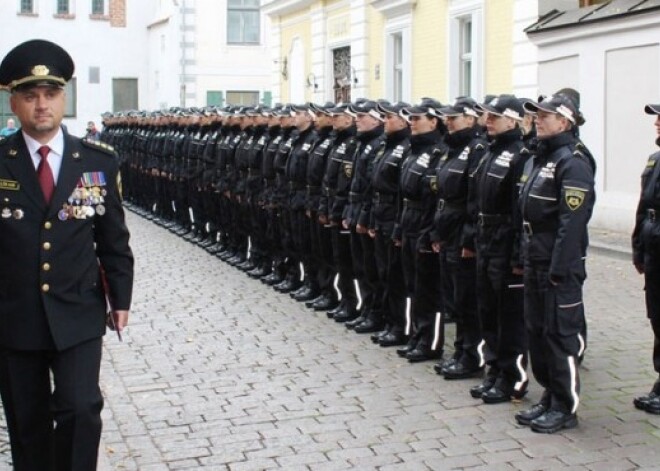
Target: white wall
[
  {"x": 118, "y": 52},
  {"x": 620, "y": 137}
]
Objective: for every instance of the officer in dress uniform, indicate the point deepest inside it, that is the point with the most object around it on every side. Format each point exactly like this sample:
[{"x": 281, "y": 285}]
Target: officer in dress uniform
[
  {"x": 556, "y": 203},
  {"x": 64, "y": 249},
  {"x": 646, "y": 257}
]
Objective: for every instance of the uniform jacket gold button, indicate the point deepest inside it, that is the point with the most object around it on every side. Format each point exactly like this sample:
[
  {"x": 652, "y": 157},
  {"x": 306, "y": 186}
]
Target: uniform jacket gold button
[
  {"x": 46, "y": 245},
  {"x": 46, "y": 266},
  {"x": 45, "y": 287},
  {"x": 48, "y": 225}
]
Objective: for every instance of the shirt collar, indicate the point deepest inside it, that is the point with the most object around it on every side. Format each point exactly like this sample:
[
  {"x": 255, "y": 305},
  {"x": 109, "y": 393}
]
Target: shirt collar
[{"x": 56, "y": 144}]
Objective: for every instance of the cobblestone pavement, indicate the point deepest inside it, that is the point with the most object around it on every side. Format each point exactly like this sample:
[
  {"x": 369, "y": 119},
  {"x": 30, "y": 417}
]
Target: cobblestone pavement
[{"x": 219, "y": 372}]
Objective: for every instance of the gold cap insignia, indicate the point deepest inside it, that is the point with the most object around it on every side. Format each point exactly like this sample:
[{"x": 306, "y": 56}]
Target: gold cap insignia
[{"x": 40, "y": 70}]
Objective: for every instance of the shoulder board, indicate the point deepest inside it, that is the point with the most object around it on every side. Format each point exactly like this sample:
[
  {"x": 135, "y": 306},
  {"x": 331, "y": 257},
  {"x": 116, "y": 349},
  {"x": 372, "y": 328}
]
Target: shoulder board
[
  {"x": 3, "y": 139},
  {"x": 525, "y": 150},
  {"x": 101, "y": 146}
]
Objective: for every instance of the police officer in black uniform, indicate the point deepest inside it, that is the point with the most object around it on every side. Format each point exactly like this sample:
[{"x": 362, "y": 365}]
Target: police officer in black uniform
[
  {"x": 453, "y": 228},
  {"x": 556, "y": 204},
  {"x": 385, "y": 198},
  {"x": 646, "y": 257},
  {"x": 421, "y": 268}
]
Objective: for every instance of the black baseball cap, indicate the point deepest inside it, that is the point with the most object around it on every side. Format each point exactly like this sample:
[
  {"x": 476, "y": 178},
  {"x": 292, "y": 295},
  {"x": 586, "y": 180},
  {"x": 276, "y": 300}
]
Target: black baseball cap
[
  {"x": 560, "y": 104},
  {"x": 368, "y": 107},
  {"x": 428, "y": 106},
  {"x": 462, "y": 106},
  {"x": 503, "y": 105},
  {"x": 393, "y": 108},
  {"x": 652, "y": 109}
]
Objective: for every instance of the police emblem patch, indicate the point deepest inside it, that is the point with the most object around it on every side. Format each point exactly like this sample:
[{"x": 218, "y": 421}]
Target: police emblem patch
[
  {"x": 434, "y": 184},
  {"x": 348, "y": 170},
  {"x": 574, "y": 199}
]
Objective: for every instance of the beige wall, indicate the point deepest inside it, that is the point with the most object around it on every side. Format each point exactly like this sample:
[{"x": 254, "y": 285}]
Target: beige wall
[{"x": 498, "y": 48}]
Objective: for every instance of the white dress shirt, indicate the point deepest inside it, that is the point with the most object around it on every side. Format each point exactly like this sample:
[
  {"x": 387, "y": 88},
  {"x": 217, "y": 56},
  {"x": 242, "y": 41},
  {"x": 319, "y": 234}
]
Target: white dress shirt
[{"x": 54, "y": 157}]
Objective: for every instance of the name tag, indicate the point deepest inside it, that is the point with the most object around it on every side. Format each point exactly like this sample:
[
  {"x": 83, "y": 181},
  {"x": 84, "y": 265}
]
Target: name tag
[{"x": 9, "y": 185}]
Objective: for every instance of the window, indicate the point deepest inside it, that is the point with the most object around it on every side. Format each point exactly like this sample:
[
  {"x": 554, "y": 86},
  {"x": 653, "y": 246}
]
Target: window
[
  {"x": 466, "y": 48},
  {"x": 238, "y": 98},
  {"x": 63, "y": 7},
  {"x": 214, "y": 98},
  {"x": 94, "y": 75},
  {"x": 465, "y": 57},
  {"x": 71, "y": 98},
  {"x": 243, "y": 22},
  {"x": 98, "y": 7},
  {"x": 397, "y": 67},
  {"x": 27, "y": 6},
  {"x": 124, "y": 94}
]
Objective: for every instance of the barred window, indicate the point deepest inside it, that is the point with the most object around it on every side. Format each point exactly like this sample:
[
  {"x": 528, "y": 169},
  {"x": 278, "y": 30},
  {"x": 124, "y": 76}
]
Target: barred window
[
  {"x": 27, "y": 6},
  {"x": 63, "y": 7},
  {"x": 98, "y": 7}
]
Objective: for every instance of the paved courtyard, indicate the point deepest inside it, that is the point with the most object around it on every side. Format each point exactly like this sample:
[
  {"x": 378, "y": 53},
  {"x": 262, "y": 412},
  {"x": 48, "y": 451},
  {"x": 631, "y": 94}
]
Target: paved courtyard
[{"x": 219, "y": 372}]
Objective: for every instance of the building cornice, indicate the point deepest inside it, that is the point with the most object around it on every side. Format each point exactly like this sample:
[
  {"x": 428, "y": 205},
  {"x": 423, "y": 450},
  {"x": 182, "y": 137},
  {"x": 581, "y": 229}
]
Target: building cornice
[
  {"x": 284, "y": 7},
  {"x": 393, "y": 8}
]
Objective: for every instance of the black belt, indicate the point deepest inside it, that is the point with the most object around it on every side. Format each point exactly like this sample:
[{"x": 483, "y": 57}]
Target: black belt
[
  {"x": 538, "y": 227},
  {"x": 383, "y": 198},
  {"x": 354, "y": 197},
  {"x": 444, "y": 204},
  {"x": 493, "y": 219},
  {"x": 411, "y": 204},
  {"x": 313, "y": 190}
]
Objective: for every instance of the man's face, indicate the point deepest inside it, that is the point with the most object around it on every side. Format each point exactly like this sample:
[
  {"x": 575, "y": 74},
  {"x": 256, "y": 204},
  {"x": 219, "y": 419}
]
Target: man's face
[
  {"x": 394, "y": 123},
  {"x": 302, "y": 120},
  {"x": 657, "y": 125},
  {"x": 366, "y": 122},
  {"x": 549, "y": 124},
  {"x": 497, "y": 125},
  {"x": 39, "y": 109},
  {"x": 342, "y": 121}
]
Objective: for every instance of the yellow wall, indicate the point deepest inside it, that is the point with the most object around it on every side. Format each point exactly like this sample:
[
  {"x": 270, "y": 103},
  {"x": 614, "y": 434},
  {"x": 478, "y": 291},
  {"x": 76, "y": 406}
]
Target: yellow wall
[
  {"x": 295, "y": 25},
  {"x": 376, "y": 50},
  {"x": 498, "y": 21},
  {"x": 429, "y": 55}
]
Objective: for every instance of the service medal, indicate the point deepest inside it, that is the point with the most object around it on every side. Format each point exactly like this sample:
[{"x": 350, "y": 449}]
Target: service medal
[
  {"x": 18, "y": 214},
  {"x": 6, "y": 213},
  {"x": 62, "y": 215},
  {"x": 89, "y": 210},
  {"x": 100, "y": 210}
]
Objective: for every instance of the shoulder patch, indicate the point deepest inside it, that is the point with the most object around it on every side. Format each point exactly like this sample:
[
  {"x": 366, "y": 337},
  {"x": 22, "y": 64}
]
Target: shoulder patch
[{"x": 102, "y": 146}]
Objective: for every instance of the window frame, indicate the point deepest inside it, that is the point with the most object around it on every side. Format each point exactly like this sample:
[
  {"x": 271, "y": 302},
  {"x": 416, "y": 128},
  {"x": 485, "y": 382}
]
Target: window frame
[
  {"x": 462, "y": 13},
  {"x": 71, "y": 90},
  {"x": 243, "y": 9},
  {"x": 58, "y": 5},
  {"x": 103, "y": 8},
  {"x": 23, "y": 11},
  {"x": 253, "y": 93}
]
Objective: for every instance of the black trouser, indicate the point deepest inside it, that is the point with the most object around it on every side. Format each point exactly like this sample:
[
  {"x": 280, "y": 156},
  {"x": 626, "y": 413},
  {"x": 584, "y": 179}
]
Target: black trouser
[
  {"x": 652, "y": 297},
  {"x": 302, "y": 245},
  {"x": 460, "y": 294},
  {"x": 390, "y": 288},
  {"x": 364, "y": 267},
  {"x": 322, "y": 255},
  {"x": 182, "y": 214},
  {"x": 423, "y": 283},
  {"x": 341, "y": 250},
  {"x": 501, "y": 313},
  {"x": 554, "y": 317},
  {"x": 53, "y": 428}
]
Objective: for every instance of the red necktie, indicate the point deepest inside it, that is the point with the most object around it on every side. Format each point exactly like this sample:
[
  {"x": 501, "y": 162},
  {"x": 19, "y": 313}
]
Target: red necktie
[{"x": 45, "y": 174}]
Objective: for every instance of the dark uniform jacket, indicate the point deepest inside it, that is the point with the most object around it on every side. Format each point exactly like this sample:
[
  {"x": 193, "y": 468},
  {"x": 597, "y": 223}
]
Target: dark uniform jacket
[
  {"x": 51, "y": 292},
  {"x": 646, "y": 235},
  {"x": 337, "y": 179},
  {"x": 556, "y": 203}
]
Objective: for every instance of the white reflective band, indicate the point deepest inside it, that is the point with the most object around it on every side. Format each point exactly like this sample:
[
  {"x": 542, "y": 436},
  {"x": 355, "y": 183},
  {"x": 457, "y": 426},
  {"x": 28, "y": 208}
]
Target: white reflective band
[
  {"x": 190, "y": 212},
  {"x": 207, "y": 227},
  {"x": 302, "y": 271},
  {"x": 375, "y": 114},
  {"x": 173, "y": 206},
  {"x": 335, "y": 285},
  {"x": 436, "y": 331},
  {"x": 583, "y": 345},
  {"x": 249, "y": 248},
  {"x": 516, "y": 286},
  {"x": 359, "y": 295},
  {"x": 574, "y": 394},
  {"x": 480, "y": 351},
  {"x": 153, "y": 208},
  {"x": 523, "y": 374},
  {"x": 408, "y": 320}
]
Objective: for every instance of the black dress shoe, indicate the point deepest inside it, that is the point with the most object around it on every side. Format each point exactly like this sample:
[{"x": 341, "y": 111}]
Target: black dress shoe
[
  {"x": 419, "y": 354},
  {"x": 441, "y": 366},
  {"x": 409, "y": 347},
  {"x": 306, "y": 295},
  {"x": 350, "y": 324},
  {"x": 460, "y": 371},
  {"x": 299, "y": 290},
  {"x": 553, "y": 421},
  {"x": 340, "y": 307},
  {"x": 525, "y": 417},
  {"x": 503, "y": 392},
  {"x": 653, "y": 406},
  {"x": 376, "y": 336},
  {"x": 478, "y": 390},
  {"x": 272, "y": 279},
  {"x": 641, "y": 401},
  {"x": 346, "y": 316},
  {"x": 325, "y": 304},
  {"x": 310, "y": 303},
  {"x": 392, "y": 340},
  {"x": 368, "y": 326}
]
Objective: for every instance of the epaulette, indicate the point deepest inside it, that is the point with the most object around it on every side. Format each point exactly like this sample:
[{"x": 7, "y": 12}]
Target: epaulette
[
  {"x": 3, "y": 139},
  {"x": 479, "y": 146},
  {"x": 525, "y": 150},
  {"x": 102, "y": 146}
]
